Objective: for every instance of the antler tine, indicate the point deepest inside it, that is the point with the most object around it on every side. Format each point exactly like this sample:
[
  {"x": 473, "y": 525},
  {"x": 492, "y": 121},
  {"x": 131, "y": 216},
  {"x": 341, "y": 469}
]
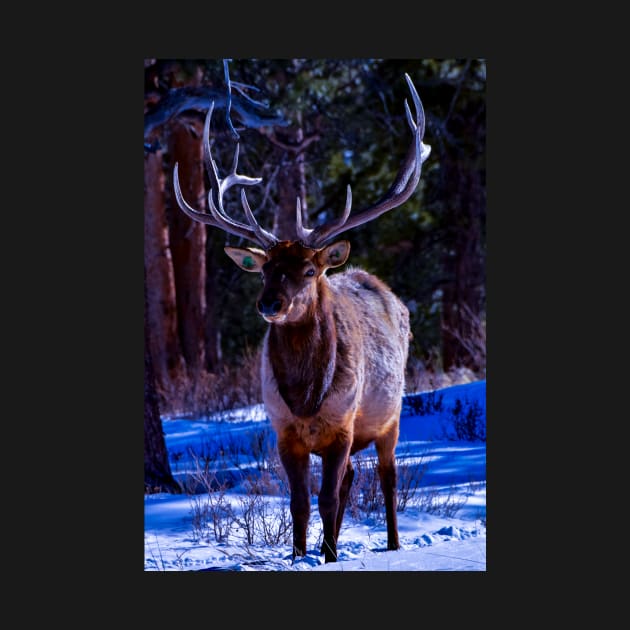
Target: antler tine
[
  {"x": 319, "y": 235},
  {"x": 188, "y": 209},
  {"x": 215, "y": 218},
  {"x": 210, "y": 164},
  {"x": 218, "y": 187},
  {"x": 268, "y": 239},
  {"x": 419, "y": 109},
  {"x": 403, "y": 187},
  {"x": 234, "y": 178},
  {"x": 302, "y": 233}
]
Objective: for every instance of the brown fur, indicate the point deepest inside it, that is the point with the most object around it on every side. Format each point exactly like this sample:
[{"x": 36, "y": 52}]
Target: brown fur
[{"x": 332, "y": 376}]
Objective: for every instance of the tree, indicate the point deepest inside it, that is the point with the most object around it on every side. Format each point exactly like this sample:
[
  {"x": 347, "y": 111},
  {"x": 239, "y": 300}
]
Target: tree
[
  {"x": 160, "y": 310},
  {"x": 188, "y": 247},
  {"x": 460, "y": 133},
  {"x": 157, "y": 470}
]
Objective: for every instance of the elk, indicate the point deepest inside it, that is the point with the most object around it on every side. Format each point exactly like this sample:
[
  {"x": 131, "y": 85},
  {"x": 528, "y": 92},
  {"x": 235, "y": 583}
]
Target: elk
[{"x": 335, "y": 351}]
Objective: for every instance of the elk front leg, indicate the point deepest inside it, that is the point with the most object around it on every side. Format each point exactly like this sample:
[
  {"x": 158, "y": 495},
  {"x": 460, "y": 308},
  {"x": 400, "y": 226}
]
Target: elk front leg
[
  {"x": 295, "y": 461},
  {"x": 334, "y": 465},
  {"x": 385, "y": 449},
  {"x": 344, "y": 490}
]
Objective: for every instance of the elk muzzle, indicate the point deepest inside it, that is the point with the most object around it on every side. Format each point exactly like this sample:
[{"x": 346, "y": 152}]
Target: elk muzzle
[{"x": 269, "y": 306}]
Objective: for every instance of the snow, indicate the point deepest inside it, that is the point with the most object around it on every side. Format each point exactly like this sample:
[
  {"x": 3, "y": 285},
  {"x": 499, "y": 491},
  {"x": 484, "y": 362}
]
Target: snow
[{"x": 441, "y": 528}]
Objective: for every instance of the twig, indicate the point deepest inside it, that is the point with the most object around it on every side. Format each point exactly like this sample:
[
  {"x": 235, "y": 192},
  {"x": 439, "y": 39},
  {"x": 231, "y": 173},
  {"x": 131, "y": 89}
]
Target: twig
[
  {"x": 293, "y": 148},
  {"x": 228, "y": 107},
  {"x": 458, "y": 89},
  {"x": 241, "y": 87},
  {"x": 271, "y": 179}
]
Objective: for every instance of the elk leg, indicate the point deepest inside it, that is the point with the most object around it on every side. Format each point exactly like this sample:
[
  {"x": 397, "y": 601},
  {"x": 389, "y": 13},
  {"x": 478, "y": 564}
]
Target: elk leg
[
  {"x": 296, "y": 464},
  {"x": 334, "y": 464},
  {"x": 385, "y": 449},
  {"x": 343, "y": 496}
]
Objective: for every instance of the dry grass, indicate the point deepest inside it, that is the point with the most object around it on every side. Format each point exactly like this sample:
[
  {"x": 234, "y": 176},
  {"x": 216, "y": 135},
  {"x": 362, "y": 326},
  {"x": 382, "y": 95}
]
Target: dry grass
[
  {"x": 419, "y": 378},
  {"x": 205, "y": 393}
]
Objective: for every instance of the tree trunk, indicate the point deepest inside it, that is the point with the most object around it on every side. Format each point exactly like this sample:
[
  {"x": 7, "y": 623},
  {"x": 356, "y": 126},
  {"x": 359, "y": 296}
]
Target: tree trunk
[
  {"x": 214, "y": 357},
  {"x": 157, "y": 471},
  {"x": 292, "y": 184},
  {"x": 161, "y": 311},
  {"x": 188, "y": 247},
  {"x": 463, "y": 340}
]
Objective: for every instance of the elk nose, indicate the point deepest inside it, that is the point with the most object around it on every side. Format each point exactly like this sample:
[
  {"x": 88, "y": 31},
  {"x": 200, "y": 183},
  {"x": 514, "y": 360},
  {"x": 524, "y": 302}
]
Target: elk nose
[{"x": 269, "y": 307}]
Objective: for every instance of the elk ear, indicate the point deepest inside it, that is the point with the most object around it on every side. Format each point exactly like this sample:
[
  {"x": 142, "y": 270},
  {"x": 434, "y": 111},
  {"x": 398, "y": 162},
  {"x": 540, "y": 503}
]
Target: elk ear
[
  {"x": 334, "y": 255},
  {"x": 247, "y": 258}
]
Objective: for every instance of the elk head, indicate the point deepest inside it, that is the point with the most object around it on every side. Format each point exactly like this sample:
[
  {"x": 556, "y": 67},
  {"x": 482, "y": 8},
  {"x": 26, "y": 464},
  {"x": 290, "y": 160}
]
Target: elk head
[
  {"x": 290, "y": 275},
  {"x": 292, "y": 269}
]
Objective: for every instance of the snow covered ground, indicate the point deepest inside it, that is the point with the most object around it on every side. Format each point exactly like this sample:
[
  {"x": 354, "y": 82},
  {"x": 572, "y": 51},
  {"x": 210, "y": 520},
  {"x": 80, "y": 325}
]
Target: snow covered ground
[{"x": 244, "y": 523}]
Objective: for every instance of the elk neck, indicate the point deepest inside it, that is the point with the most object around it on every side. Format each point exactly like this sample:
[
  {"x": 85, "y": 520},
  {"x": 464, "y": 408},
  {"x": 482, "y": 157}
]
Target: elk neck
[{"x": 303, "y": 355}]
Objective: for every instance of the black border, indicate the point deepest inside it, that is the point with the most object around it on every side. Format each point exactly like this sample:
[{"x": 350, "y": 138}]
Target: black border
[{"x": 106, "y": 375}]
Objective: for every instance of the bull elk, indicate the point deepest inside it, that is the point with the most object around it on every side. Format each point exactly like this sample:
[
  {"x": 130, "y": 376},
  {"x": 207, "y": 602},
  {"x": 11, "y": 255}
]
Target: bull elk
[{"x": 334, "y": 355}]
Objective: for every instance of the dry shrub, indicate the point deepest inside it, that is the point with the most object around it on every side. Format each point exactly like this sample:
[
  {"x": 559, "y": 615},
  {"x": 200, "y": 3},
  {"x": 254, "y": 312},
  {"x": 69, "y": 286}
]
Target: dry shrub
[
  {"x": 365, "y": 498},
  {"x": 206, "y": 393},
  {"x": 410, "y": 472},
  {"x": 212, "y": 514},
  {"x": 419, "y": 378},
  {"x": 429, "y": 374},
  {"x": 263, "y": 483},
  {"x": 471, "y": 336},
  {"x": 432, "y": 501}
]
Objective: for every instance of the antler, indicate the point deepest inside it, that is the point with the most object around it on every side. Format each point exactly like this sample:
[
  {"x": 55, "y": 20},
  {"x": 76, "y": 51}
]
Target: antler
[
  {"x": 402, "y": 188},
  {"x": 218, "y": 187}
]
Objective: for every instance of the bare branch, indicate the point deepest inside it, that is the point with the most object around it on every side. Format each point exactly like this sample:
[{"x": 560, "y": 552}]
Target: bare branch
[
  {"x": 197, "y": 98},
  {"x": 228, "y": 106},
  {"x": 241, "y": 87},
  {"x": 292, "y": 148}
]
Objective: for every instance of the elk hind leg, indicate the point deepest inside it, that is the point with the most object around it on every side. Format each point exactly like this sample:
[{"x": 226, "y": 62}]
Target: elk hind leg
[{"x": 344, "y": 490}]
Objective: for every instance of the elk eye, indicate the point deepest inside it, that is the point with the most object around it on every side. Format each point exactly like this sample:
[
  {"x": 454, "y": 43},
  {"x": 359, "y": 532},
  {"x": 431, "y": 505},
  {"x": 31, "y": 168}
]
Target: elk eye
[{"x": 309, "y": 272}]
